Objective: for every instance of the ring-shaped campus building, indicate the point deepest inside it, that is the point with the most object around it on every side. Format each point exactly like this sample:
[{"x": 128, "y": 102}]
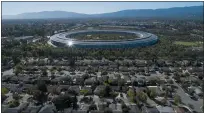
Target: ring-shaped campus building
[{"x": 141, "y": 39}]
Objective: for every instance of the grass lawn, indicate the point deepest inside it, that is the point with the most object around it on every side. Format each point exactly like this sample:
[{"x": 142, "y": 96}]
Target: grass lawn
[
  {"x": 4, "y": 90},
  {"x": 188, "y": 43}
]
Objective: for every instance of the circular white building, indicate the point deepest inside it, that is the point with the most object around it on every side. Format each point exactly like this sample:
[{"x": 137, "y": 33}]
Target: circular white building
[{"x": 141, "y": 39}]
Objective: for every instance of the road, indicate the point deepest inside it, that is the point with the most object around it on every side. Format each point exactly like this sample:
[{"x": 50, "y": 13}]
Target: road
[{"x": 187, "y": 100}]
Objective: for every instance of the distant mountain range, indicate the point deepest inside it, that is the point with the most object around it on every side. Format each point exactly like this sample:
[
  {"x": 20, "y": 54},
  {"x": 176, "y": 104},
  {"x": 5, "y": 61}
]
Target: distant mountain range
[{"x": 193, "y": 12}]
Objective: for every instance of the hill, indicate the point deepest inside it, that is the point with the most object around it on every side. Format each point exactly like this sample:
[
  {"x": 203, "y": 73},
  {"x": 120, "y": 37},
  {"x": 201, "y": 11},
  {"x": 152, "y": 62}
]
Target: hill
[{"x": 193, "y": 12}]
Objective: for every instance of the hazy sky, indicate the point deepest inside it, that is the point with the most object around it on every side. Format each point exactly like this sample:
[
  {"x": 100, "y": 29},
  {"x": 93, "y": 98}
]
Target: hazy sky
[{"x": 12, "y": 8}]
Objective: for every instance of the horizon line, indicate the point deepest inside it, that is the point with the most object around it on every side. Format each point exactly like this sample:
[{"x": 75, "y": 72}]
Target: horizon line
[{"x": 99, "y": 13}]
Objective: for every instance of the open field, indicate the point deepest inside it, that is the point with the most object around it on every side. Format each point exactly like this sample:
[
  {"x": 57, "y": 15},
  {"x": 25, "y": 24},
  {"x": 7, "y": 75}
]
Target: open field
[{"x": 188, "y": 43}]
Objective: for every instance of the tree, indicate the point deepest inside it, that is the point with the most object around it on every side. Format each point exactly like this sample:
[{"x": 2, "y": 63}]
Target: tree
[
  {"x": 39, "y": 96},
  {"x": 177, "y": 77},
  {"x": 16, "y": 60},
  {"x": 92, "y": 107},
  {"x": 152, "y": 93},
  {"x": 85, "y": 76},
  {"x": 75, "y": 106},
  {"x": 42, "y": 86},
  {"x": 125, "y": 108},
  {"x": 16, "y": 96},
  {"x": 44, "y": 72},
  {"x": 107, "y": 91},
  {"x": 59, "y": 69},
  {"x": 3, "y": 97},
  {"x": 131, "y": 93},
  {"x": 18, "y": 69},
  {"x": 163, "y": 101},
  {"x": 154, "y": 81},
  {"x": 104, "y": 73},
  {"x": 14, "y": 103},
  {"x": 72, "y": 62},
  {"x": 187, "y": 75},
  {"x": 84, "y": 92},
  {"x": 62, "y": 102},
  {"x": 4, "y": 90},
  {"x": 134, "y": 83},
  {"x": 200, "y": 77},
  {"x": 142, "y": 96},
  {"x": 177, "y": 99}
]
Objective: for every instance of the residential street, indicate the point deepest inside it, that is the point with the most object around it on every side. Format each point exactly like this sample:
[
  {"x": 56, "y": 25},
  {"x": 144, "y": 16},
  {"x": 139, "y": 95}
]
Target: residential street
[{"x": 187, "y": 100}]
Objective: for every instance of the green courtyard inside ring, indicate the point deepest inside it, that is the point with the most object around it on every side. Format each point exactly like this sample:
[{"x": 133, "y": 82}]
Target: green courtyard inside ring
[{"x": 102, "y": 35}]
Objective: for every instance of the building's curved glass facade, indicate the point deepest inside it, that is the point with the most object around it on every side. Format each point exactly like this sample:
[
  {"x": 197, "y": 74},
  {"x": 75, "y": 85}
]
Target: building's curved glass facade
[{"x": 146, "y": 39}]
